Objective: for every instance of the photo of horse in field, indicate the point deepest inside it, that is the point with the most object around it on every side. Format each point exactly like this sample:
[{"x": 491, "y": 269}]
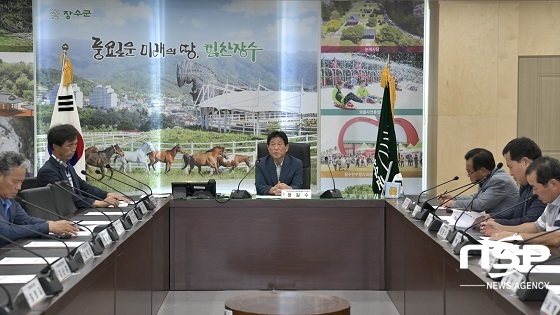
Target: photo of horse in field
[
  {"x": 101, "y": 158},
  {"x": 208, "y": 158},
  {"x": 139, "y": 157},
  {"x": 235, "y": 161},
  {"x": 167, "y": 157}
]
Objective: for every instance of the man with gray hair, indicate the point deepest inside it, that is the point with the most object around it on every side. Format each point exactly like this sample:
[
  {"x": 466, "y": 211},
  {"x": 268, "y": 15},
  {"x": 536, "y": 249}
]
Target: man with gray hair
[{"x": 13, "y": 167}]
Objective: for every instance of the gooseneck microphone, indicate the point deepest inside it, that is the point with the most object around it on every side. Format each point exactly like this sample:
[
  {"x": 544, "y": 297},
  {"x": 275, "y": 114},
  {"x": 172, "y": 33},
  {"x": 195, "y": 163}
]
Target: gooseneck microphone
[
  {"x": 472, "y": 240},
  {"x": 243, "y": 194},
  {"x": 72, "y": 264},
  {"x": 109, "y": 227},
  {"x": 523, "y": 242},
  {"x": 331, "y": 193},
  {"x": 137, "y": 212},
  {"x": 436, "y": 186},
  {"x": 50, "y": 283},
  {"x": 148, "y": 202},
  {"x": 96, "y": 246}
]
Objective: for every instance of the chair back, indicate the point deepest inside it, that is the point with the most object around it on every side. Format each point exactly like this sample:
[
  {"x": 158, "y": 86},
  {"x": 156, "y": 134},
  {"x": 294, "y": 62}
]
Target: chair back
[
  {"x": 42, "y": 197},
  {"x": 64, "y": 201},
  {"x": 298, "y": 150},
  {"x": 29, "y": 182}
]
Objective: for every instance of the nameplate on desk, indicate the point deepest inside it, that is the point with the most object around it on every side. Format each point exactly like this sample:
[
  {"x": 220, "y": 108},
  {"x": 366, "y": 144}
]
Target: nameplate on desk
[
  {"x": 443, "y": 231},
  {"x": 33, "y": 293},
  {"x": 61, "y": 270},
  {"x": 458, "y": 239},
  {"x": 87, "y": 252},
  {"x": 132, "y": 216},
  {"x": 228, "y": 312},
  {"x": 152, "y": 199},
  {"x": 392, "y": 190},
  {"x": 296, "y": 194},
  {"x": 406, "y": 203},
  {"x": 417, "y": 209},
  {"x": 143, "y": 208},
  {"x": 105, "y": 237},
  {"x": 551, "y": 304},
  {"x": 119, "y": 227},
  {"x": 512, "y": 280},
  {"x": 429, "y": 220}
]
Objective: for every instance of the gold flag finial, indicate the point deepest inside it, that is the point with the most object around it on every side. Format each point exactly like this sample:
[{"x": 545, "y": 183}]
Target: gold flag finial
[
  {"x": 67, "y": 71},
  {"x": 387, "y": 79}
]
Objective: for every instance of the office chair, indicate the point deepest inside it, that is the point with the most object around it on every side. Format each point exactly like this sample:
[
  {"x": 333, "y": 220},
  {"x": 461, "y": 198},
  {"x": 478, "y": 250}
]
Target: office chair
[
  {"x": 42, "y": 197},
  {"x": 64, "y": 201},
  {"x": 29, "y": 182},
  {"x": 301, "y": 151}
]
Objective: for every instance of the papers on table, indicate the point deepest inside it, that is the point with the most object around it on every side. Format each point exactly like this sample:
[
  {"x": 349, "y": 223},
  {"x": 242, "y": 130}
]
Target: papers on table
[
  {"x": 16, "y": 278},
  {"x": 93, "y": 222},
  {"x": 84, "y": 233},
  {"x": 52, "y": 244},
  {"x": 107, "y": 213},
  {"x": 467, "y": 219},
  {"x": 121, "y": 204},
  {"x": 26, "y": 260},
  {"x": 157, "y": 196},
  {"x": 267, "y": 197}
]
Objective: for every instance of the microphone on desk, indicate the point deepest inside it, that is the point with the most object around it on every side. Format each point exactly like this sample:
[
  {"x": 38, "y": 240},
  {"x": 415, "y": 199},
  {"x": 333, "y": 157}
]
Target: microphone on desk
[
  {"x": 72, "y": 263},
  {"x": 243, "y": 194},
  {"x": 331, "y": 193},
  {"x": 147, "y": 199},
  {"x": 96, "y": 246},
  {"x": 8, "y": 308},
  {"x": 109, "y": 227},
  {"x": 530, "y": 292},
  {"x": 485, "y": 179},
  {"x": 472, "y": 240},
  {"x": 49, "y": 282},
  {"x": 426, "y": 207},
  {"x": 436, "y": 186},
  {"x": 135, "y": 210}
]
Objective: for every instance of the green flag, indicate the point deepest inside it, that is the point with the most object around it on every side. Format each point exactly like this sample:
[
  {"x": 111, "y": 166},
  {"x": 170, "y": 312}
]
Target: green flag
[{"x": 385, "y": 147}]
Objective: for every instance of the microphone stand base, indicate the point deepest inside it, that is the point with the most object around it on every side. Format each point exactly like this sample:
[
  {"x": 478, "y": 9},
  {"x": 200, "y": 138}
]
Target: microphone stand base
[
  {"x": 240, "y": 194},
  {"x": 532, "y": 294},
  {"x": 50, "y": 284},
  {"x": 331, "y": 194},
  {"x": 435, "y": 225}
]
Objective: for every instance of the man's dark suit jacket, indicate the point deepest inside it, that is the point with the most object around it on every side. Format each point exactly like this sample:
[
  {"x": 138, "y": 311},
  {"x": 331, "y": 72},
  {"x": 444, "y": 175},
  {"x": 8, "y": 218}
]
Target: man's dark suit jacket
[
  {"x": 53, "y": 171},
  {"x": 20, "y": 217},
  {"x": 266, "y": 178}
]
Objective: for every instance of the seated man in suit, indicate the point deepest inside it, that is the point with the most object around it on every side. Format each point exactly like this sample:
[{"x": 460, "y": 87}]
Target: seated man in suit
[
  {"x": 544, "y": 176},
  {"x": 63, "y": 140},
  {"x": 495, "y": 194},
  {"x": 13, "y": 167},
  {"x": 519, "y": 154},
  {"x": 278, "y": 170}
]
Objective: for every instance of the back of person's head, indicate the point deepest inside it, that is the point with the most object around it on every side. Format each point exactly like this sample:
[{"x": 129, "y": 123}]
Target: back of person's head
[
  {"x": 277, "y": 134},
  {"x": 10, "y": 160},
  {"x": 519, "y": 148},
  {"x": 481, "y": 158},
  {"x": 60, "y": 134},
  {"x": 546, "y": 168}
]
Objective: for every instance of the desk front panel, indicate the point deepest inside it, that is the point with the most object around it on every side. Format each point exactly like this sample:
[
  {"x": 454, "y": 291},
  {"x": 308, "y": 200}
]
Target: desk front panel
[{"x": 280, "y": 244}]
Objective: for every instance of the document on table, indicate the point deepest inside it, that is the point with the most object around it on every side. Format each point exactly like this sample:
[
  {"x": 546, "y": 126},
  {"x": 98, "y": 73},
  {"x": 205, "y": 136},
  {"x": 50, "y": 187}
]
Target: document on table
[
  {"x": 268, "y": 197},
  {"x": 26, "y": 260},
  {"x": 53, "y": 244},
  {"x": 467, "y": 219},
  {"x": 93, "y": 222},
  {"x": 8, "y": 279}
]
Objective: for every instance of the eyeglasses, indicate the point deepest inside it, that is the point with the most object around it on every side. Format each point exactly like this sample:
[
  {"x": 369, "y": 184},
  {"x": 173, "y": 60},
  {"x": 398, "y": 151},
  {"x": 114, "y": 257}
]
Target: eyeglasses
[{"x": 469, "y": 173}]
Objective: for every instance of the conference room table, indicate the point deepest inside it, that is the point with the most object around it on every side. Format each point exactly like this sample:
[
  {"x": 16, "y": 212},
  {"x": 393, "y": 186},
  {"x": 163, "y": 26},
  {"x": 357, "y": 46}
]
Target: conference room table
[
  {"x": 131, "y": 275},
  {"x": 264, "y": 244}
]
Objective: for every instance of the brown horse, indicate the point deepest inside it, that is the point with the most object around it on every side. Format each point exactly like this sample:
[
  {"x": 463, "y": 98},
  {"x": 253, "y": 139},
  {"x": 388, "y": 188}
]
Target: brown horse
[
  {"x": 92, "y": 149},
  {"x": 234, "y": 163},
  {"x": 208, "y": 158},
  {"x": 102, "y": 158},
  {"x": 167, "y": 157}
]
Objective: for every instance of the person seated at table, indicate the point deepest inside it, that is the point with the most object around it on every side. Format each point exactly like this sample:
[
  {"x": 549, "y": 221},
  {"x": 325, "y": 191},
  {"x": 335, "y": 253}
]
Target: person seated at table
[
  {"x": 519, "y": 154},
  {"x": 496, "y": 190},
  {"x": 278, "y": 171},
  {"x": 544, "y": 176},
  {"x": 63, "y": 141},
  {"x": 13, "y": 167}
]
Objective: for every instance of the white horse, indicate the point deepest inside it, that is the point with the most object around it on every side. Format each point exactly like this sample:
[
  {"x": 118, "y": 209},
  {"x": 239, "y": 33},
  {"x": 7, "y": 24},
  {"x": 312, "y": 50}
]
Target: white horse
[{"x": 139, "y": 156}]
